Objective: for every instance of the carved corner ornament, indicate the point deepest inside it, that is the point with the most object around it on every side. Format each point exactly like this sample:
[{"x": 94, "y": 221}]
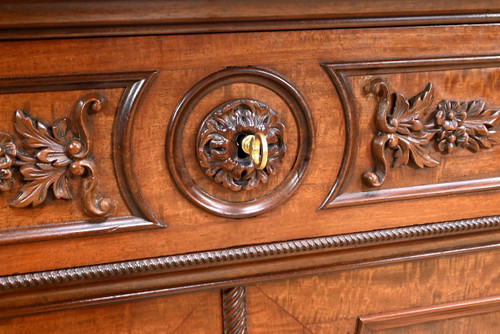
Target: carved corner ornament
[
  {"x": 52, "y": 154},
  {"x": 408, "y": 128},
  {"x": 231, "y": 138}
]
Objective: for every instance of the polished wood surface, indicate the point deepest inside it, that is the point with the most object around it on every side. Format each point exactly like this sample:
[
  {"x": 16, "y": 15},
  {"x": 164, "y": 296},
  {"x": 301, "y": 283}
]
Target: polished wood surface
[
  {"x": 206, "y": 166},
  {"x": 187, "y": 313},
  {"x": 56, "y": 19},
  {"x": 332, "y": 303},
  {"x": 457, "y": 317},
  {"x": 185, "y": 220}
]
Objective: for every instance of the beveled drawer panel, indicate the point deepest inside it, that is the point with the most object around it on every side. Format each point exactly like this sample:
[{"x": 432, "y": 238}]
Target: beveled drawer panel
[
  {"x": 169, "y": 153},
  {"x": 432, "y": 144}
]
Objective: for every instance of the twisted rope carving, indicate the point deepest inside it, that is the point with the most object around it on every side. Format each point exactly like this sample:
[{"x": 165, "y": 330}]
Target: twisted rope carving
[
  {"x": 250, "y": 252},
  {"x": 234, "y": 313}
]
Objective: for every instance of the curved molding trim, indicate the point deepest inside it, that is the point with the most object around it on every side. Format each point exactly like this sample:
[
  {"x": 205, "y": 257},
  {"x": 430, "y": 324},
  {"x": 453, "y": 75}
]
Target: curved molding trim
[
  {"x": 134, "y": 84},
  {"x": 239, "y": 254},
  {"x": 339, "y": 74},
  {"x": 305, "y": 142}
]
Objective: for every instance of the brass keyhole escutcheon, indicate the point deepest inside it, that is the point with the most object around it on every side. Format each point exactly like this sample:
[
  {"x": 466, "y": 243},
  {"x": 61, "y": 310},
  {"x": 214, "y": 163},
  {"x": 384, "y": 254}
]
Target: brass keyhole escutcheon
[{"x": 256, "y": 147}]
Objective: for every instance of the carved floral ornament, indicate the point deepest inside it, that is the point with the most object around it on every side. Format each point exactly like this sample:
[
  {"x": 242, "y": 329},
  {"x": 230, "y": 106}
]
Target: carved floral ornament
[
  {"x": 220, "y": 143},
  {"x": 50, "y": 155},
  {"x": 408, "y": 128}
]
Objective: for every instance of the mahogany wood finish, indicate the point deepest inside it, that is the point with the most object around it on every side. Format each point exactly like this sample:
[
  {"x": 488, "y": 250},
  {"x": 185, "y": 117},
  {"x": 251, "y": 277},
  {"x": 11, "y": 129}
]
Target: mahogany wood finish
[
  {"x": 342, "y": 231},
  {"x": 186, "y": 313},
  {"x": 56, "y": 153},
  {"x": 250, "y": 204},
  {"x": 462, "y": 309},
  {"x": 33, "y": 19},
  {"x": 234, "y": 310},
  {"x": 220, "y": 143},
  {"x": 382, "y": 298}
]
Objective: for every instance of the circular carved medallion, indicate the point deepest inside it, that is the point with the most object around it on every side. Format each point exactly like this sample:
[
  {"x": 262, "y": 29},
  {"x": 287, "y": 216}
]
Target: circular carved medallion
[
  {"x": 220, "y": 150},
  {"x": 218, "y": 145}
]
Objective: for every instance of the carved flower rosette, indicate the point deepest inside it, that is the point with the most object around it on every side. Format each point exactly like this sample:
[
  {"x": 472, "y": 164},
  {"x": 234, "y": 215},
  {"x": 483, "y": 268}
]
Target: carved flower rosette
[{"x": 220, "y": 139}]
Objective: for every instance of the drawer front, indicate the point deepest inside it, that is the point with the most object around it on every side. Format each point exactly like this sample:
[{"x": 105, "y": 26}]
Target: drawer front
[
  {"x": 364, "y": 129},
  {"x": 197, "y": 312},
  {"x": 424, "y": 296}
]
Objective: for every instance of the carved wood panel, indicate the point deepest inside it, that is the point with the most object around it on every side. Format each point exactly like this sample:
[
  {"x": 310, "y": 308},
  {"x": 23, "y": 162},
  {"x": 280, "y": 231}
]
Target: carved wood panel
[
  {"x": 423, "y": 131},
  {"x": 409, "y": 126},
  {"x": 56, "y": 152},
  {"x": 39, "y": 160}
]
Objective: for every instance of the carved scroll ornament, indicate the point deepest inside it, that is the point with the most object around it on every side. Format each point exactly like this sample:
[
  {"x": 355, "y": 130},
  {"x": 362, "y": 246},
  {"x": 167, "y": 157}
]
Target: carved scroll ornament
[
  {"x": 408, "y": 128},
  {"x": 53, "y": 153},
  {"x": 220, "y": 144}
]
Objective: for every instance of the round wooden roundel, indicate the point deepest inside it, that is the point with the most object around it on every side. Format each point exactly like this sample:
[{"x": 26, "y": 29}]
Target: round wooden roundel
[{"x": 239, "y": 142}]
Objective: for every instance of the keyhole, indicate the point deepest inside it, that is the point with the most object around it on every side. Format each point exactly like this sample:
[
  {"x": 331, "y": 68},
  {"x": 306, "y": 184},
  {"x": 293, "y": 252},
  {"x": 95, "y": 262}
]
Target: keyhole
[{"x": 239, "y": 139}]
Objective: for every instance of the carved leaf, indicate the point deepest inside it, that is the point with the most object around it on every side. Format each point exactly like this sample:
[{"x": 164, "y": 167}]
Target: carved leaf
[
  {"x": 478, "y": 124},
  {"x": 36, "y": 135},
  {"x": 40, "y": 178},
  {"x": 421, "y": 102},
  {"x": 417, "y": 107},
  {"x": 60, "y": 129},
  {"x": 422, "y": 157},
  {"x": 413, "y": 146},
  {"x": 401, "y": 106},
  {"x": 412, "y": 114},
  {"x": 401, "y": 157}
]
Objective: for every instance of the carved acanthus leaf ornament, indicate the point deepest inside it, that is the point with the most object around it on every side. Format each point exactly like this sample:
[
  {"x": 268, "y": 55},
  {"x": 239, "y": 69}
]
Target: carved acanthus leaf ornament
[
  {"x": 50, "y": 155},
  {"x": 408, "y": 127}
]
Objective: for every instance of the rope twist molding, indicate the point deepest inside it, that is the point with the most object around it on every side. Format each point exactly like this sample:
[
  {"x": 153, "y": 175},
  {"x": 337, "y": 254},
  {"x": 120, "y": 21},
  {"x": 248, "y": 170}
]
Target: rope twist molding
[{"x": 166, "y": 263}]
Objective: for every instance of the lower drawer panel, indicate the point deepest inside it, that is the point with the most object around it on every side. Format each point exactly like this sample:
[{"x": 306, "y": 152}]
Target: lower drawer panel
[
  {"x": 422, "y": 296},
  {"x": 187, "y": 313}
]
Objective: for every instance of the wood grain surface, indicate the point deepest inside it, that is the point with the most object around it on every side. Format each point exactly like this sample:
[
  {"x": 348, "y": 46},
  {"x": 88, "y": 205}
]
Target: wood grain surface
[
  {"x": 332, "y": 303},
  {"x": 47, "y": 19},
  {"x": 187, "y": 313},
  {"x": 369, "y": 202},
  {"x": 457, "y": 317},
  {"x": 295, "y": 56}
]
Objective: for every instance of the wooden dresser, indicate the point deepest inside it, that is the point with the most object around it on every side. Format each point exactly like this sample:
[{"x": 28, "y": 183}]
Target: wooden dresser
[{"x": 250, "y": 166}]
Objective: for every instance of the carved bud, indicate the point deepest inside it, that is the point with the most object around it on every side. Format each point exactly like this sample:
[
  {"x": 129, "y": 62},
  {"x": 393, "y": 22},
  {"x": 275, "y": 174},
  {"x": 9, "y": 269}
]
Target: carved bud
[{"x": 7, "y": 154}]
